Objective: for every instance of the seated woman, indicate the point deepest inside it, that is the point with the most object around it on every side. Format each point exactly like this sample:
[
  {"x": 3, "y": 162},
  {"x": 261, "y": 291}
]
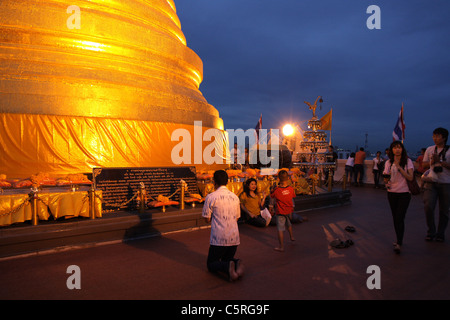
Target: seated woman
[{"x": 251, "y": 204}]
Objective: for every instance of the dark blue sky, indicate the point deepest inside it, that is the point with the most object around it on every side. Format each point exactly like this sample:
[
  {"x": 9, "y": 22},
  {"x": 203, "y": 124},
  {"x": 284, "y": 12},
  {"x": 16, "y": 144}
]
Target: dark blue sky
[{"x": 267, "y": 57}]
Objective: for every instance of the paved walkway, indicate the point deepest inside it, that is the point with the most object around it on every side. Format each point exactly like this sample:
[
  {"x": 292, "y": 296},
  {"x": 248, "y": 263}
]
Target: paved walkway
[{"x": 173, "y": 266}]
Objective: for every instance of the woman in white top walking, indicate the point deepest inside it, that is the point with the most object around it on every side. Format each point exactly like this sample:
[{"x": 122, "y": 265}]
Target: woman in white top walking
[
  {"x": 397, "y": 170},
  {"x": 349, "y": 167}
]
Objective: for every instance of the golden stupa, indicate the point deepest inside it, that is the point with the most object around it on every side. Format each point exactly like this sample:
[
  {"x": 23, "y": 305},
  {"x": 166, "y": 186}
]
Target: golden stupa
[{"x": 95, "y": 83}]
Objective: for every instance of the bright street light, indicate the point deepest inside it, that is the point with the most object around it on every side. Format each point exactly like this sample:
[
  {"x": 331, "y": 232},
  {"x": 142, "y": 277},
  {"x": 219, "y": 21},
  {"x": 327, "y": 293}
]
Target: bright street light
[{"x": 288, "y": 130}]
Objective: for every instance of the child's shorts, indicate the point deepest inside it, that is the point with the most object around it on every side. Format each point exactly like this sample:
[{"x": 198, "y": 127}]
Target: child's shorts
[{"x": 283, "y": 222}]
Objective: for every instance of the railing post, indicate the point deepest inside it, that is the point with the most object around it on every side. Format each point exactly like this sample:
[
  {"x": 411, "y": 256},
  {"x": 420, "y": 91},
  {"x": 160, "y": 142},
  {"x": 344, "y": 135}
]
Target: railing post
[
  {"x": 92, "y": 203},
  {"x": 182, "y": 186},
  {"x": 34, "y": 215},
  {"x": 141, "y": 197},
  {"x": 330, "y": 180}
]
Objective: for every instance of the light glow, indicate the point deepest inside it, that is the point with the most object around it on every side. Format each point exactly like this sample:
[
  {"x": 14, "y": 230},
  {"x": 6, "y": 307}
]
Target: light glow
[
  {"x": 288, "y": 130},
  {"x": 90, "y": 45}
]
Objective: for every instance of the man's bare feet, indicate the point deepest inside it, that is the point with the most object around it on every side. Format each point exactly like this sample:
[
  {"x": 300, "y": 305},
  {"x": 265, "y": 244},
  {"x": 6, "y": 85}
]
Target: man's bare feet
[
  {"x": 279, "y": 249},
  {"x": 232, "y": 272},
  {"x": 240, "y": 268}
]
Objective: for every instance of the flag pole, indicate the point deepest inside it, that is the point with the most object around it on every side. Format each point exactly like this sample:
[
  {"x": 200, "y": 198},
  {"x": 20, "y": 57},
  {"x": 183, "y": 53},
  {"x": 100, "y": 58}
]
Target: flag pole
[{"x": 403, "y": 120}]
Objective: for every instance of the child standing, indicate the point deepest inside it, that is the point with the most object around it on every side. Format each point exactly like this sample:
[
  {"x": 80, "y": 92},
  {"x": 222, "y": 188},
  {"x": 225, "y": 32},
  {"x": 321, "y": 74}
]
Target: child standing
[{"x": 283, "y": 195}]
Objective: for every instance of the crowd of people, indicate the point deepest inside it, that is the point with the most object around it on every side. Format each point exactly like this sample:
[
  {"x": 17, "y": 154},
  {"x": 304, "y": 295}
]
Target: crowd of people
[
  {"x": 354, "y": 167},
  {"x": 397, "y": 169},
  {"x": 223, "y": 208}
]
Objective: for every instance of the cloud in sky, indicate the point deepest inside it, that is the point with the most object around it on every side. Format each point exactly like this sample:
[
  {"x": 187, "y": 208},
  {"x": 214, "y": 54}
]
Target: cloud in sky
[{"x": 267, "y": 57}]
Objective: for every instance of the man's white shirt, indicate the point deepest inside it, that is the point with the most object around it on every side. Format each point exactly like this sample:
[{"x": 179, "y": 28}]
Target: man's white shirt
[{"x": 223, "y": 208}]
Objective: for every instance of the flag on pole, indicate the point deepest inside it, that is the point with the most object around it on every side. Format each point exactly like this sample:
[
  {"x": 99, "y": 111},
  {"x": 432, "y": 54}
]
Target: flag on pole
[
  {"x": 257, "y": 128},
  {"x": 399, "y": 129},
  {"x": 326, "y": 120}
]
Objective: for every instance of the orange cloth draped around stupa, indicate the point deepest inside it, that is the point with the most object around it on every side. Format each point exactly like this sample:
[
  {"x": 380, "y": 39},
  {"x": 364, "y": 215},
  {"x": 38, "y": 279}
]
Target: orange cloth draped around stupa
[
  {"x": 60, "y": 144},
  {"x": 97, "y": 63}
]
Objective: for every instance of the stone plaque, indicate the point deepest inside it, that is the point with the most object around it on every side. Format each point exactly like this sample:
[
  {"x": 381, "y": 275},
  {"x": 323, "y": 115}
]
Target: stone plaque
[{"x": 118, "y": 185}]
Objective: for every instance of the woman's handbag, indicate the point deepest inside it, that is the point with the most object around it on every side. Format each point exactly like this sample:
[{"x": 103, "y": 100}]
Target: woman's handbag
[{"x": 413, "y": 186}]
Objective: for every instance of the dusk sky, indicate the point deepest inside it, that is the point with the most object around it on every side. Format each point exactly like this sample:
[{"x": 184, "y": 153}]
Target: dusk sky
[{"x": 268, "y": 57}]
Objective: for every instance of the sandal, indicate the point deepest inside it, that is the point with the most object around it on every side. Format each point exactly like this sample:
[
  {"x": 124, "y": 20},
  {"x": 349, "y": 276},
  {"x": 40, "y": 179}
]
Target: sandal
[
  {"x": 349, "y": 242},
  {"x": 338, "y": 243},
  {"x": 350, "y": 228}
]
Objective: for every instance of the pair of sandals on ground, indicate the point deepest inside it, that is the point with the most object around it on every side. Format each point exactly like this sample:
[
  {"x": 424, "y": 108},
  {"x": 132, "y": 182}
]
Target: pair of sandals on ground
[{"x": 338, "y": 243}]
